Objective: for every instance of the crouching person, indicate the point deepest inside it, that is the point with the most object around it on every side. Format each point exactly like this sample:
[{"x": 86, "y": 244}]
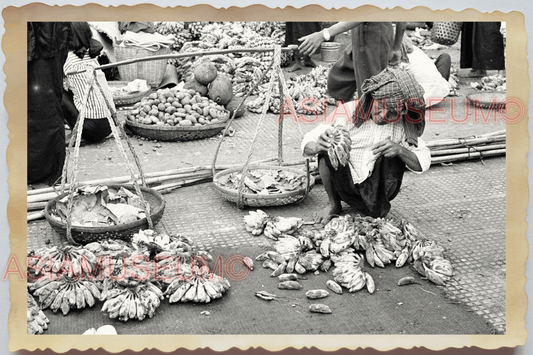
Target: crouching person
[{"x": 383, "y": 136}]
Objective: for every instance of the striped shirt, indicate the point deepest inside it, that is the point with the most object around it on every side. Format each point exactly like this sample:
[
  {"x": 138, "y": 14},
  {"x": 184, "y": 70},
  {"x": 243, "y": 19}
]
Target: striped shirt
[
  {"x": 96, "y": 104},
  {"x": 362, "y": 158}
]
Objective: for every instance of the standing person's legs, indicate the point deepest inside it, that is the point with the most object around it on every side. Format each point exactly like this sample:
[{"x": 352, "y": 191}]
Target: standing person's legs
[
  {"x": 341, "y": 78},
  {"x": 444, "y": 64}
]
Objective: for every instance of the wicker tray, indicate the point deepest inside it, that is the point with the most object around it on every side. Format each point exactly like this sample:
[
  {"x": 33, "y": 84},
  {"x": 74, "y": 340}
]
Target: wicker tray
[
  {"x": 253, "y": 200},
  {"x": 128, "y": 99},
  {"x": 488, "y": 99},
  {"x": 175, "y": 133},
  {"x": 84, "y": 235}
]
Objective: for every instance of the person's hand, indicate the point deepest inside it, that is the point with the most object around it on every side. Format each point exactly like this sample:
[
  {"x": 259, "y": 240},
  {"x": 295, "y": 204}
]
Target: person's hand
[
  {"x": 387, "y": 148},
  {"x": 324, "y": 141},
  {"x": 395, "y": 58},
  {"x": 310, "y": 43}
]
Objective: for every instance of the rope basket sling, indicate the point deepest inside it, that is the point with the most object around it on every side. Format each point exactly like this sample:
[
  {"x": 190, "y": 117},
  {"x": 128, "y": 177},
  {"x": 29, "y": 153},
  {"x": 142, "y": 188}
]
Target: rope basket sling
[
  {"x": 70, "y": 167},
  {"x": 254, "y": 200}
]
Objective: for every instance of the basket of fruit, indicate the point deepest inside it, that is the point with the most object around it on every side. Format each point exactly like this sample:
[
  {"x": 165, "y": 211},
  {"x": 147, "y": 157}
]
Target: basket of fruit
[
  {"x": 101, "y": 212},
  {"x": 264, "y": 185},
  {"x": 177, "y": 115},
  {"x": 127, "y": 93}
]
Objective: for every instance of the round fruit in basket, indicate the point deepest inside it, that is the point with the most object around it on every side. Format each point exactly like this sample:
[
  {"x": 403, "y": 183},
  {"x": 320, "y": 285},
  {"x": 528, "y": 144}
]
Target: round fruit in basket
[
  {"x": 221, "y": 90},
  {"x": 205, "y": 73},
  {"x": 193, "y": 84}
]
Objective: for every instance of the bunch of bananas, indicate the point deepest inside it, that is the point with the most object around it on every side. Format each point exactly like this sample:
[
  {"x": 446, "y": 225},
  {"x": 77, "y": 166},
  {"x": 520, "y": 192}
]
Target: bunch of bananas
[
  {"x": 247, "y": 73},
  {"x": 202, "y": 287},
  {"x": 36, "y": 320},
  {"x": 195, "y": 28},
  {"x": 255, "y": 222},
  {"x": 277, "y": 226},
  {"x": 74, "y": 261},
  {"x": 435, "y": 266},
  {"x": 339, "y": 152},
  {"x": 137, "y": 302},
  {"x": 350, "y": 274},
  {"x": 65, "y": 293}
]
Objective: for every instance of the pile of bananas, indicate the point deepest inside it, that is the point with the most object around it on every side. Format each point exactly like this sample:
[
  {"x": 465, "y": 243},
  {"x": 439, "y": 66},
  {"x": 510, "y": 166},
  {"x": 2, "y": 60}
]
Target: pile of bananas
[
  {"x": 339, "y": 152},
  {"x": 37, "y": 322},
  {"x": 195, "y": 28},
  {"x": 202, "y": 287},
  {"x": 491, "y": 83},
  {"x": 181, "y": 35},
  {"x": 277, "y": 226},
  {"x": 255, "y": 222},
  {"x": 430, "y": 262},
  {"x": 74, "y": 261},
  {"x": 247, "y": 73},
  {"x": 125, "y": 302},
  {"x": 65, "y": 293}
]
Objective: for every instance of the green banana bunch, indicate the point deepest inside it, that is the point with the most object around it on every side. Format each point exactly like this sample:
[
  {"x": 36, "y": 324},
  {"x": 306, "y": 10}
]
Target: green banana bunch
[{"x": 37, "y": 322}]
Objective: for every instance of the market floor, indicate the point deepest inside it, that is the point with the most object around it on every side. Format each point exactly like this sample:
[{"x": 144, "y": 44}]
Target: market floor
[{"x": 460, "y": 205}]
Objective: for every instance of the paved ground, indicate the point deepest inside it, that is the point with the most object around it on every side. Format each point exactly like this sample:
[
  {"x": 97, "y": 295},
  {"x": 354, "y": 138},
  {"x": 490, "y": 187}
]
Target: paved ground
[{"x": 461, "y": 205}]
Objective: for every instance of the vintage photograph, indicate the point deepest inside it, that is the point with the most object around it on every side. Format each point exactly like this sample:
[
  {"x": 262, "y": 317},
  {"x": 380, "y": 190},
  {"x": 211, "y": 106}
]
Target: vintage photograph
[{"x": 268, "y": 178}]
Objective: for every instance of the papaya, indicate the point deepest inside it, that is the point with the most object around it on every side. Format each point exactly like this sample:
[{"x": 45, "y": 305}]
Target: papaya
[
  {"x": 205, "y": 73},
  {"x": 232, "y": 106},
  {"x": 193, "y": 84},
  {"x": 220, "y": 90}
]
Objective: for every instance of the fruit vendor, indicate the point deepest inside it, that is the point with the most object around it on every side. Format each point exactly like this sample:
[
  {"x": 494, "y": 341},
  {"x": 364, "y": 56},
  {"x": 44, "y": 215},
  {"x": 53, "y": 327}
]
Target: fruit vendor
[
  {"x": 375, "y": 45},
  {"x": 380, "y": 145}
]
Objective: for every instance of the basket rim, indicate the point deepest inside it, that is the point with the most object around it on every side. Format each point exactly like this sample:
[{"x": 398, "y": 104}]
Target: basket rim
[
  {"x": 256, "y": 196},
  {"x": 205, "y": 127},
  {"x": 485, "y": 98},
  {"x": 97, "y": 230},
  {"x": 129, "y": 98}
]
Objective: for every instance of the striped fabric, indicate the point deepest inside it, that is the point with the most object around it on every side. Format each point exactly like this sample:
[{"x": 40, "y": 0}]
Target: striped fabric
[
  {"x": 362, "y": 158},
  {"x": 96, "y": 104}
]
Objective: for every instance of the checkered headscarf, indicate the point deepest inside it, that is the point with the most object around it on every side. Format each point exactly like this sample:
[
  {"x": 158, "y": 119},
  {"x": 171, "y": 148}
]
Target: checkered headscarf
[{"x": 401, "y": 93}]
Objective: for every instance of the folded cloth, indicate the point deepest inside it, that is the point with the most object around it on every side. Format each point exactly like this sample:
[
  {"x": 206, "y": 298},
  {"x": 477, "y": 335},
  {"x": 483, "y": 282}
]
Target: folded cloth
[
  {"x": 149, "y": 41},
  {"x": 402, "y": 95}
]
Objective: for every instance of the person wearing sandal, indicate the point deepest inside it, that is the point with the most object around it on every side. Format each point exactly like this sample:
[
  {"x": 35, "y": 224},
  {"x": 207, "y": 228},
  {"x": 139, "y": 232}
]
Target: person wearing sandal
[{"x": 295, "y": 31}]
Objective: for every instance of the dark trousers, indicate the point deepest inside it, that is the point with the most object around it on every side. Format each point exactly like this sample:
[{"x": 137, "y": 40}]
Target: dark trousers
[{"x": 444, "y": 64}]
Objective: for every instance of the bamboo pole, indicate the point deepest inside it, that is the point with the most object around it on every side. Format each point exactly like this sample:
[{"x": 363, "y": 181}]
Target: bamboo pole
[
  {"x": 463, "y": 141},
  {"x": 457, "y": 157},
  {"x": 289, "y": 48},
  {"x": 467, "y": 150}
]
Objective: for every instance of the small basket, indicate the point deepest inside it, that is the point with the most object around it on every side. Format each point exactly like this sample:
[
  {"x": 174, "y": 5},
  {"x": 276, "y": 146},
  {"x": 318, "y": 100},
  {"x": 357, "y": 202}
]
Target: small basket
[
  {"x": 128, "y": 99},
  {"x": 152, "y": 71},
  {"x": 488, "y": 99},
  {"x": 85, "y": 235},
  {"x": 254, "y": 200},
  {"x": 446, "y": 33},
  {"x": 175, "y": 133}
]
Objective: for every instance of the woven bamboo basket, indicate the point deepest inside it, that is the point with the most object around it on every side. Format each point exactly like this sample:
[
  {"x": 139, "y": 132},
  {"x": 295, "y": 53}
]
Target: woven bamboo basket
[
  {"x": 152, "y": 70},
  {"x": 128, "y": 99},
  {"x": 85, "y": 235},
  {"x": 446, "y": 33},
  {"x": 254, "y": 200},
  {"x": 488, "y": 99},
  {"x": 176, "y": 133}
]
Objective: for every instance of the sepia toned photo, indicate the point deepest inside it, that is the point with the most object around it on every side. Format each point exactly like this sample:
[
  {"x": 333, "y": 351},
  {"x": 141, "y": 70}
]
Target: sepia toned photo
[{"x": 231, "y": 180}]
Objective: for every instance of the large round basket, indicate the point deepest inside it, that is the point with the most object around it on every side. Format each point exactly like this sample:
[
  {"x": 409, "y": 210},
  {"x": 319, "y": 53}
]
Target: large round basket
[
  {"x": 84, "y": 235},
  {"x": 175, "y": 133},
  {"x": 254, "y": 200},
  {"x": 488, "y": 99},
  {"x": 127, "y": 99}
]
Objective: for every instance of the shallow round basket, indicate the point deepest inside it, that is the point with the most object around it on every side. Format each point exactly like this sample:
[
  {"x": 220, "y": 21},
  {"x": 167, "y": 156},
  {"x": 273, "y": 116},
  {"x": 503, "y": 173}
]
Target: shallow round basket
[
  {"x": 85, "y": 235},
  {"x": 129, "y": 99},
  {"x": 254, "y": 200},
  {"x": 175, "y": 133},
  {"x": 488, "y": 99}
]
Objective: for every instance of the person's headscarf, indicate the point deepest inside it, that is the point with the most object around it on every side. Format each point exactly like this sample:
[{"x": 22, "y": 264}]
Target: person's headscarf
[
  {"x": 83, "y": 41},
  {"x": 401, "y": 94}
]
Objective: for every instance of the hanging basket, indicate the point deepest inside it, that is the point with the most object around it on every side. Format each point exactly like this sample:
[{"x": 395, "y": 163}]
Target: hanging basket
[
  {"x": 85, "y": 235},
  {"x": 255, "y": 200},
  {"x": 446, "y": 33},
  {"x": 175, "y": 133}
]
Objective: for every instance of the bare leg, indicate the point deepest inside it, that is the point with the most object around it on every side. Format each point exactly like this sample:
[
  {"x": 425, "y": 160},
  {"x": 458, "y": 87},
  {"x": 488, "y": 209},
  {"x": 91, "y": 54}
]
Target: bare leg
[
  {"x": 296, "y": 65},
  {"x": 334, "y": 206},
  {"x": 308, "y": 62}
]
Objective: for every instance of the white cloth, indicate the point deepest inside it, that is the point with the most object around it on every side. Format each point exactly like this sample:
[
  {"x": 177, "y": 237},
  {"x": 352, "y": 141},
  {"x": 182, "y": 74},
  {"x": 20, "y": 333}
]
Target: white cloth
[
  {"x": 362, "y": 158},
  {"x": 436, "y": 88}
]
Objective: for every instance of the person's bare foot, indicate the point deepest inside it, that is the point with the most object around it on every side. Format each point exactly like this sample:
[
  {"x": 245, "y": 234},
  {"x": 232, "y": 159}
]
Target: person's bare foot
[
  {"x": 327, "y": 213},
  {"x": 295, "y": 66},
  {"x": 308, "y": 62}
]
